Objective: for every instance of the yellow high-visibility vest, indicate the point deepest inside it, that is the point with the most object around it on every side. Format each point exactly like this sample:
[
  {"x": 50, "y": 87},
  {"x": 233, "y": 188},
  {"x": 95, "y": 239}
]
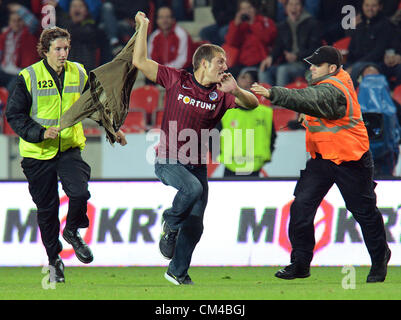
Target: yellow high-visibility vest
[
  {"x": 245, "y": 138},
  {"x": 48, "y": 106}
]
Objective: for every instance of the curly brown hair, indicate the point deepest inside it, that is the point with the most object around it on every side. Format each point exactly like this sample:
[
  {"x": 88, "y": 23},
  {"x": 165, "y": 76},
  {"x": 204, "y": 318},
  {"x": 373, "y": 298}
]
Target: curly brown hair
[{"x": 49, "y": 35}]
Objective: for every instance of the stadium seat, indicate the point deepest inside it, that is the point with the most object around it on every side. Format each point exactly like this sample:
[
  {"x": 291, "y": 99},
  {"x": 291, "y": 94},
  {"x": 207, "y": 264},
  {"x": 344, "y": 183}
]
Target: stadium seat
[
  {"x": 135, "y": 121},
  {"x": 281, "y": 117},
  {"x": 3, "y": 94},
  {"x": 342, "y": 45},
  {"x": 6, "y": 129},
  {"x": 145, "y": 97},
  {"x": 92, "y": 132},
  {"x": 157, "y": 117},
  {"x": 231, "y": 55},
  {"x": 197, "y": 44},
  {"x": 298, "y": 83},
  {"x": 397, "y": 94}
]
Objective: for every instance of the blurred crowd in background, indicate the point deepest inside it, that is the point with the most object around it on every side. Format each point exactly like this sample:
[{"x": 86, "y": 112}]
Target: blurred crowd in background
[{"x": 266, "y": 38}]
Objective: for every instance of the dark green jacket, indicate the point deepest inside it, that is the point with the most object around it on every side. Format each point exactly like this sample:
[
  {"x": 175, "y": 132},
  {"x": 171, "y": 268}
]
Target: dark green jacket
[{"x": 321, "y": 101}]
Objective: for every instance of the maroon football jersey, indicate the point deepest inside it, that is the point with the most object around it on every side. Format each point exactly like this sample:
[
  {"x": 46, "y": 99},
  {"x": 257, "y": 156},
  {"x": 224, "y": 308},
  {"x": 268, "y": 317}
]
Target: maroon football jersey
[{"x": 190, "y": 112}]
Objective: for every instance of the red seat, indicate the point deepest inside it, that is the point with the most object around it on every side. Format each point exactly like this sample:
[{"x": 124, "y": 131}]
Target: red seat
[
  {"x": 197, "y": 44},
  {"x": 3, "y": 94},
  {"x": 92, "y": 132},
  {"x": 281, "y": 117},
  {"x": 342, "y": 45},
  {"x": 6, "y": 127},
  {"x": 145, "y": 97},
  {"x": 135, "y": 121},
  {"x": 231, "y": 54},
  {"x": 298, "y": 83},
  {"x": 397, "y": 94},
  {"x": 157, "y": 117}
]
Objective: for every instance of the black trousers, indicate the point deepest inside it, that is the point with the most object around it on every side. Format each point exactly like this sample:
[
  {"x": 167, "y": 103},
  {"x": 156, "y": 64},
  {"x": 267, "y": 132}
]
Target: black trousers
[
  {"x": 229, "y": 173},
  {"x": 355, "y": 182},
  {"x": 42, "y": 176}
]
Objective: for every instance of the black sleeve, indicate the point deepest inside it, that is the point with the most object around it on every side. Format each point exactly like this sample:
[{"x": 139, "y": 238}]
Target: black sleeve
[
  {"x": 383, "y": 39},
  {"x": 273, "y": 139},
  {"x": 17, "y": 114}
]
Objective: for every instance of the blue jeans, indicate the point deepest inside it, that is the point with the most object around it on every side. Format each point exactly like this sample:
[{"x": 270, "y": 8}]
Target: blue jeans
[{"x": 186, "y": 213}]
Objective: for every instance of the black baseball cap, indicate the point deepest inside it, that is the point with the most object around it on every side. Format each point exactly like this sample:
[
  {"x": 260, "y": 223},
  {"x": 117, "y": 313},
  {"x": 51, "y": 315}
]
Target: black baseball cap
[{"x": 327, "y": 54}]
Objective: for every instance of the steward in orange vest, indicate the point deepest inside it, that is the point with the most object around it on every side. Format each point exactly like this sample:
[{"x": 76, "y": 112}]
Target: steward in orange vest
[{"x": 337, "y": 140}]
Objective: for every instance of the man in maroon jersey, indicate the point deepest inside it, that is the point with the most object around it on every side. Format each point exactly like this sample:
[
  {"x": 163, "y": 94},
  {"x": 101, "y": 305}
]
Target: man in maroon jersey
[{"x": 194, "y": 104}]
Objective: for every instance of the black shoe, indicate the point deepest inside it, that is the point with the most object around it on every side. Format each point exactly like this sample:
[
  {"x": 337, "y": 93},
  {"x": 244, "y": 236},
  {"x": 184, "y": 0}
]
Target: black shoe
[
  {"x": 168, "y": 239},
  {"x": 176, "y": 280},
  {"x": 293, "y": 271},
  {"x": 82, "y": 251},
  {"x": 56, "y": 270},
  {"x": 378, "y": 271}
]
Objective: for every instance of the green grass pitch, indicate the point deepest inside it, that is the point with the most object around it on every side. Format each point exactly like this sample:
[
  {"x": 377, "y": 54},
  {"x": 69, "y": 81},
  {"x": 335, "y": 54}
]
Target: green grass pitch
[{"x": 211, "y": 283}]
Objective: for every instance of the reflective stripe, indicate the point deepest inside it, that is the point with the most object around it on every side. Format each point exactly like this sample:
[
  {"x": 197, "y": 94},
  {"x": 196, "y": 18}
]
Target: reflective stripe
[
  {"x": 47, "y": 92},
  {"x": 72, "y": 89},
  {"x": 81, "y": 78},
  {"x": 35, "y": 93},
  {"x": 352, "y": 121}
]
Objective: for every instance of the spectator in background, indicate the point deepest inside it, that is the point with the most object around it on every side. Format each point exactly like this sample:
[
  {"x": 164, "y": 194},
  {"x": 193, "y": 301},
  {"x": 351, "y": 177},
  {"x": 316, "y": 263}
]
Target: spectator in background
[
  {"x": 381, "y": 114},
  {"x": 26, "y": 15},
  {"x": 331, "y": 18},
  {"x": 223, "y": 12},
  {"x": 41, "y": 10},
  {"x": 93, "y": 7},
  {"x": 88, "y": 43},
  {"x": 170, "y": 44},
  {"x": 252, "y": 34},
  {"x": 267, "y": 8},
  {"x": 391, "y": 64},
  {"x": 182, "y": 9},
  {"x": 369, "y": 40},
  {"x": 391, "y": 8},
  {"x": 299, "y": 35},
  {"x": 312, "y": 6},
  {"x": 17, "y": 50},
  {"x": 235, "y": 155},
  {"x": 117, "y": 20},
  {"x": 3, "y": 15}
]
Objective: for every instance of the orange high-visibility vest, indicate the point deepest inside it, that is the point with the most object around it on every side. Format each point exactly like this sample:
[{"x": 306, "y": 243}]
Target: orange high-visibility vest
[{"x": 344, "y": 139}]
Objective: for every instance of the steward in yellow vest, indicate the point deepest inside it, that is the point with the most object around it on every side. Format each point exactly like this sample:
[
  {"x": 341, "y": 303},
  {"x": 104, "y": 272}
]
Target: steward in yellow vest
[
  {"x": 337, "y": 140},
  {"x": 43, "y": 92},
  {"x": 247, "y": 139},
  {"x": 49, "y": 102}
]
